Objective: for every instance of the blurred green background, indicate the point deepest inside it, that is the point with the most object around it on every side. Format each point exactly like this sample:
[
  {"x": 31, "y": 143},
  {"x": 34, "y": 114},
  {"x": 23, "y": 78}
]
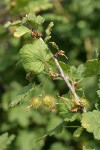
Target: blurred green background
[{"x": 76, "y": 31}]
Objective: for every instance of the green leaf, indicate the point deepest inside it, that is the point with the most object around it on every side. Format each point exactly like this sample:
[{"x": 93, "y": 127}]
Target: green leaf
[
  {"x": 7, "y": 24},
  {"x": 39, "y": 20},
  {"x": 5, "y": 140},
  {"x": 58, "y": 129},
  {"x": 76, "y": 73},
  {"x": 35, "y": 56},
  {"x": 22, "y": 119},
  {"x": 91, "y": 145},
  {"x": 58, "y": 146},
  {"x": 71, "y": 116},
  {"x": 91, "y": 122},
  {"x": 64, "y": 66},
  {"x": 22, "y": 95},
  {"x": 92, "y": 67},
  {"x": 78, "y": 132},
  {"x": 65, "y": 105},
  {"x": 35, "y": 19},
  {"x": 18, "y": 22},
  {"x": 64, "y": 108},
  {"x": 21, "y": 30}
]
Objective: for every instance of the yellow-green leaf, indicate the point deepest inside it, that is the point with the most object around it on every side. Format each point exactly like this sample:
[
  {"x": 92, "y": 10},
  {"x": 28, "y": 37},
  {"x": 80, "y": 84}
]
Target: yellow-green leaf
[
  {"x": 21, "y": 30},
  {"x": 35, "y": 56},
  {"x": 91, "y": 122}
]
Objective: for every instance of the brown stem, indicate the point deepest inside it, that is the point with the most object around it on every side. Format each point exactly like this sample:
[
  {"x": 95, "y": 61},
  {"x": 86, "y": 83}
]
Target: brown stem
[{"x": 65, "y": 78}]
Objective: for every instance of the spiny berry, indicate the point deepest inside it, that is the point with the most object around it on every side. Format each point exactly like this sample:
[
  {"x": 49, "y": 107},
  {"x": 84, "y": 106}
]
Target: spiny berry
[
  {"x": 35, "y": 103},
  {"x": 48, "y": 101}
]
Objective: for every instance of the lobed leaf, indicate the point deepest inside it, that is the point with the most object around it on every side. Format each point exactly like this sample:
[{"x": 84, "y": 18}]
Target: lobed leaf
[
  {"x": 36, "y": 20},
  {"x": 35, "y": 56},
  {"x": 91, "y": 122},
  {"x": 21, "y": 30},
  {"x": 76, "y": 73},
  {"x": 5, "y": 140},
  {"x": 92, "y": 67},
  {"x": 71, "y": 116}
]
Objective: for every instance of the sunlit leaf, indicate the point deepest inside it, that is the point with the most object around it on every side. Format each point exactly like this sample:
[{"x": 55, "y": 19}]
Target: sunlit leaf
[
  {"x": 21, "y": 30},
  {"x": 38, "y": 20},
  {"x": 7, "y": 24},
  {"x": 91, "y": 122},
  {"x": 35, "y": 56}
]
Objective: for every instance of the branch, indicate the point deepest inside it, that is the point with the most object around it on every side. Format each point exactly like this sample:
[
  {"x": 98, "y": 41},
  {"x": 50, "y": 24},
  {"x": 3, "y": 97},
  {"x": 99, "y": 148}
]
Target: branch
[{"x": 65, "y": 78}]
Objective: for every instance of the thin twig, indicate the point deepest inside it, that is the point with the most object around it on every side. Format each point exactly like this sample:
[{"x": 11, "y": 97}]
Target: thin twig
[{"x": 65, "y": 78}]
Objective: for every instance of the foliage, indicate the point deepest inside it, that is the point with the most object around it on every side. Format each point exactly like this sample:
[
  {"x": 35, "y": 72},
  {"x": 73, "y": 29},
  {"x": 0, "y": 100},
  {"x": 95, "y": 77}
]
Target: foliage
[
  {"x": 50, "y": 113},
  {"x": 5, "y": 140}
]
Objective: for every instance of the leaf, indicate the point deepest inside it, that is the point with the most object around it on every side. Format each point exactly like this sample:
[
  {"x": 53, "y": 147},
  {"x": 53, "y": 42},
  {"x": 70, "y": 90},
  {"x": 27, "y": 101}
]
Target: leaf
[
  {"x": 21, "y": 30},
  {"x": 58, "y": 146},
  {"x": 37, "y": 6},
  {"x": 38, "y": 20},
  {"x": 7, "y": 24},
  {"x": 64, "y": 67},
  {"x": 65, "y": 105},
  {"x": 71, "y": 116},
  {"x": 91, "y": 145},
  {"x": 26, "y": 138},
  {"x": 58, "y": 129},
  {"x": 22, "y": 119},
  {"x": 91, "y": 122},
  {"x": 35, "y": 56},
  {"x": 78, "y": 132},
  {"x": 18, "y": 22},
  {"x": 22, "y": 95},
  {"x": 5, "y": 140},
  {"x": 13, "y": 23},
  {"x": 76, "y": 73},
  {"x": 92, "y": 67}
]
